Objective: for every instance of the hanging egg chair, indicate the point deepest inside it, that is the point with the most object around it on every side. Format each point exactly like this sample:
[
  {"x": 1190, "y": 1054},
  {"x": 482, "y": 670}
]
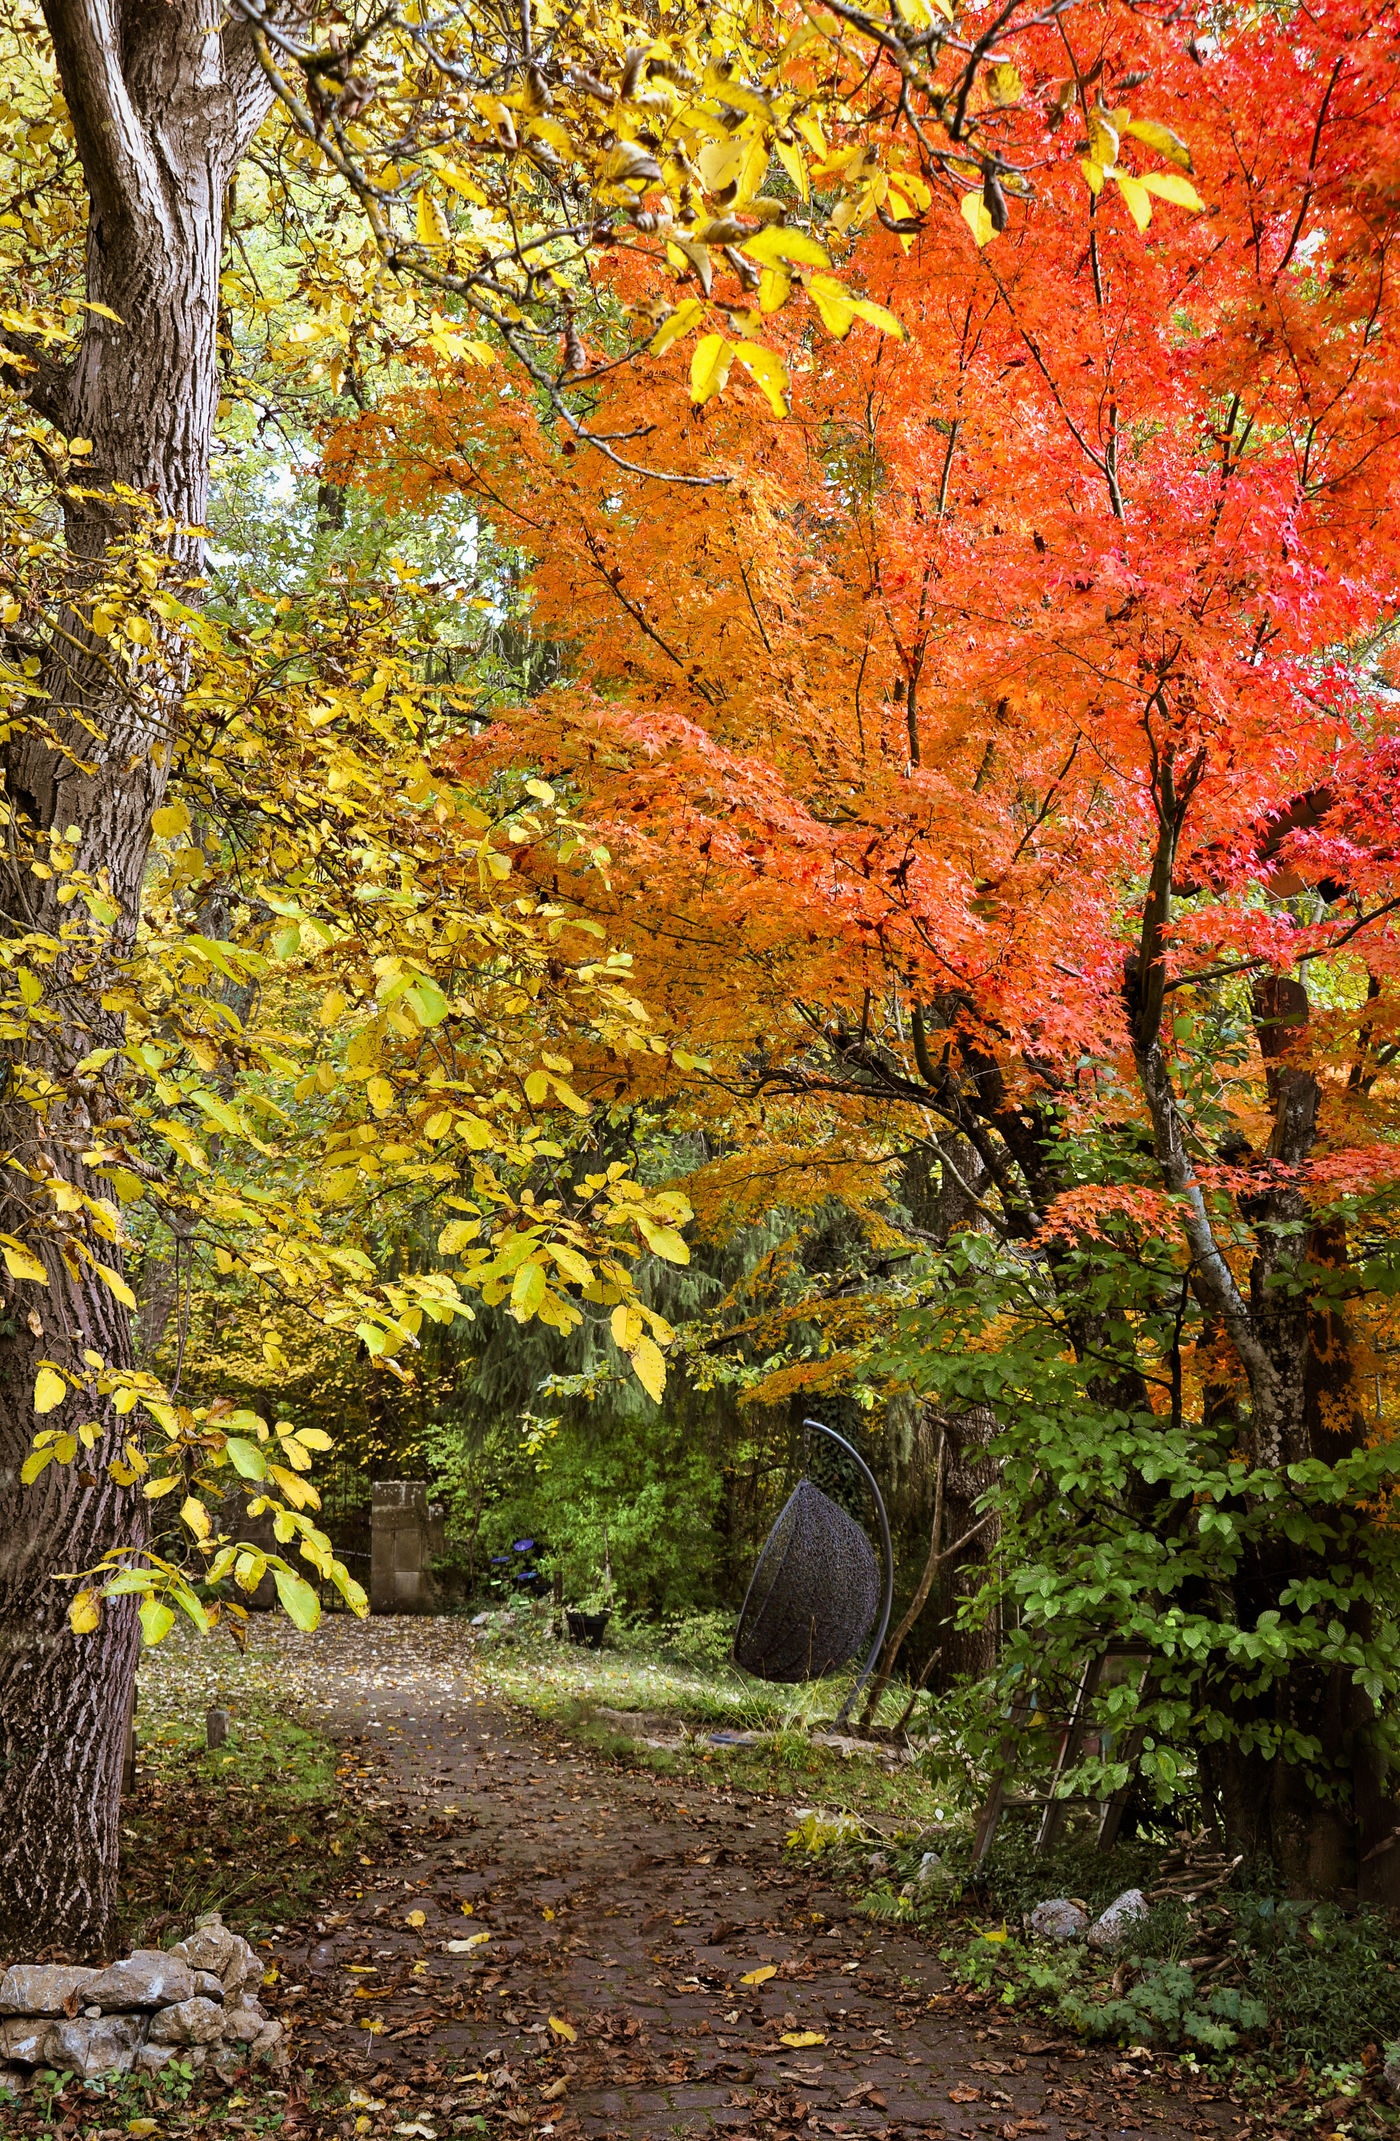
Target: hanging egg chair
[{"x": 816, "y": 1590}]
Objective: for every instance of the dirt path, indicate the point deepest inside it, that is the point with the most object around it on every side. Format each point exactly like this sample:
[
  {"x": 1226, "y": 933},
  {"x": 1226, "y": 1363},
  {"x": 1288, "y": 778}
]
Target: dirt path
[{"x": 628, "y": 1907}]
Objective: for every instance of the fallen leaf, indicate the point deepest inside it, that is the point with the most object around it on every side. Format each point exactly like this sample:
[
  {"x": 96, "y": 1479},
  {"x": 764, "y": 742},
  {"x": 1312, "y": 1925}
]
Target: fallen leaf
[
  {"x": 798, "y": 2038},
  {"x": 555, "y": 2090},
  {"x": 140, "y": 2127},
  {"x": 565, "y": 2030},
  {"x": 463, "y": 1947},
  {"x": 964, "y": 2096},
  {"x": 416, "y": 1918},
  {"x": 759, "y": 1976}
]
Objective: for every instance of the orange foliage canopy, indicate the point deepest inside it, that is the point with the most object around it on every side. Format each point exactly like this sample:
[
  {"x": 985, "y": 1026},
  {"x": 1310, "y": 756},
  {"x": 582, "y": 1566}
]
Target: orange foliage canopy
[{"x": 889, "y": 726}]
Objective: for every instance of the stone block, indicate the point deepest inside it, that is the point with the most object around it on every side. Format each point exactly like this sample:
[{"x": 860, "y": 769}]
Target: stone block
[
  {"x": 194, "y": 2021},
  {"x": 225, "y": 1955},
  {"x": 152, "y": 1977},
  {"x": 244, "y": 2024},
  {"x": 41, "y": 1988},
  {"x": 22, "y": 2037},
  {"x": 90, "y": 2049}
]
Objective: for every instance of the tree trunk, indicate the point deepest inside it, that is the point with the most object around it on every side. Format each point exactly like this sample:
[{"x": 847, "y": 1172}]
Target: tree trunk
[
  {"x": 968, "y": 1653},
  {"x": 162, "y": 111}
]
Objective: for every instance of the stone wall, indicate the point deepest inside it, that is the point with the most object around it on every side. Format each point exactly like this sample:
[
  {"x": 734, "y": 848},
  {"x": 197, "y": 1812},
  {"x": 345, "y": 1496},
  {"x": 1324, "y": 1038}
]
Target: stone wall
[
  {"x": 405, "y": 1535},
  {"x": 195, "y": 2002}
]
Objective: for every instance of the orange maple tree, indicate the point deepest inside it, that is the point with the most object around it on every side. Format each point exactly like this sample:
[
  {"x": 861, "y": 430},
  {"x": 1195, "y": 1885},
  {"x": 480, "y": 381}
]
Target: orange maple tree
[{"x": 999, "y": 754}]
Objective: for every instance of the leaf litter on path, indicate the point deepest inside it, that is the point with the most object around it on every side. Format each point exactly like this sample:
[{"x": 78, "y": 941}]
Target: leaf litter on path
[{"x": 612, "y": 1987}]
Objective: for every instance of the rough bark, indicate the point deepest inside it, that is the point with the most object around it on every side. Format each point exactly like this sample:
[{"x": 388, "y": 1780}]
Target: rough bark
[{"x": 162, "y": 112}]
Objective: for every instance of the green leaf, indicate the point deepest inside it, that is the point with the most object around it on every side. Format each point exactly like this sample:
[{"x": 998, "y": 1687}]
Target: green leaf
[
  {"x": 246, "y": 1457},
  {"x": 157, "y": 1620},
  {"x": 300, "y": 1601},
  {"x": 527, "y": 1291}
]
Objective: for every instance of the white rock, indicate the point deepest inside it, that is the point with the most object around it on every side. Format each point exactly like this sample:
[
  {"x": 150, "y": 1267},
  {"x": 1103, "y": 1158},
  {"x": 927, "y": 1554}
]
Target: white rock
[
  {"x": 224, "y": 1954},
  {"x": 40, "y": 1988},
  {"x": 22, "y": 2037},
  {"x": 1059, "y": 1919},
  {"x": 244, "y": 2024},
  {"x": 190, "y": 2022},
  {"x": 13, "y": 2082},
  {"x": 930, "y": 1871},
  {"x": 90, "y": 2049},
  {"x": 152, "y": 1977},
  {"x": 207, "y": 1985},
  {"x": 1110, "y": 1928}
]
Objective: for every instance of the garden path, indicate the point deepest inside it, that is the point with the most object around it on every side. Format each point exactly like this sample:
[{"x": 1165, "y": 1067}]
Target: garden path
[{"x": 623, "y": 1909}]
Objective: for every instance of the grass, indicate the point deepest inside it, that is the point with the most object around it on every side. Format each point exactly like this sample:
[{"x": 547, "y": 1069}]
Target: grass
[
  {"x": 258, "y": 1829},
  {"x": 568, "y": 1684}
]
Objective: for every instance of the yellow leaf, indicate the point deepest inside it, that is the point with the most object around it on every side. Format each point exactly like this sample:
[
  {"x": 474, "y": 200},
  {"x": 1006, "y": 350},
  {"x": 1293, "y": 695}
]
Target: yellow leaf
[
  {"x": 50, "y": 1390},
  {"x": 140, "y": 2127},
  {"x": 1003, "y": 83},
  {"x": 416, "y": 1918},
  {"x": 170, "y": 822},
  {"x": 381, "y": 1095},
  {"x": 799, "y": 2039},
  {"x": 770, "y": 375},
  {"x": 565, "y": 2030},
  {"x": 774, "y": 288},
  {"x": 1103, "y": 139},
  {"x": 626, "y": 1327},
  {"x": 1162, "y": 139},
  {"x": 429, "y": 224},
  {"x": 709, "y": 367},
  {"x": 118, "y": 1285},
  {"x": 761, "y": 1975},
  {"x": 686, "y": 315},
  {"x": 460, "y": 183},
  {"x": 795, "y": 165},
  {"x": 977, "y": 217},
  {"x": 779, "y": 241},
  {"x": 996, "y": 1937},
  {"x": 21, "y": 1264},
  {"x": 1171, "y": 186},
  {"x": 877, "y": 317},
  {"x": 155, "y": 1488},
  {"x": 464, "y": 1947},
  {"x": 1137, "y": 197},
  {"x": 1093, "y": 176},
  {"x": 194, "y": 1513},
  {"x": 84, "y": 1613}
]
